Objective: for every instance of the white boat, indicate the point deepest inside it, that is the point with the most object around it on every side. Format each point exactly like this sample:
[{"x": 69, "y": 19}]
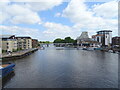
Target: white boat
[
  {"x": 111, "y": 51},
  {"x": 84, "y": 48}
]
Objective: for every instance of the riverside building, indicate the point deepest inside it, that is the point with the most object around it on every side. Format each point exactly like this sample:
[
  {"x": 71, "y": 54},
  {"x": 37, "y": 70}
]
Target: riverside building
[
  {"x": 35, "y": 43},
  {"x": 116, "y": 41},
  {"x": 104, "y": 37},
  {"x": 9, "y": 43},
  {"x": 84, "y": 40},
  {"x": 24, "y": 43}
]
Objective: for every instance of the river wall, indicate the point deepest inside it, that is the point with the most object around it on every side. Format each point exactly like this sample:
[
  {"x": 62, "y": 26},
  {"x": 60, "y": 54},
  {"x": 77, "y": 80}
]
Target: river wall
[{"x": 18, "y": 56}]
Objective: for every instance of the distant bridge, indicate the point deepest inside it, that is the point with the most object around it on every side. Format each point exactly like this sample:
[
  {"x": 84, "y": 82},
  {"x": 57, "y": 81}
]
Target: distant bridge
[
  {"x": 56, "y": 44},
  {"x": 63, "y": 44}
]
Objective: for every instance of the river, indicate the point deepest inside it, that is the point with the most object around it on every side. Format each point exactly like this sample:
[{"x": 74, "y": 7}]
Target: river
[{"x": 67, "y": 68}]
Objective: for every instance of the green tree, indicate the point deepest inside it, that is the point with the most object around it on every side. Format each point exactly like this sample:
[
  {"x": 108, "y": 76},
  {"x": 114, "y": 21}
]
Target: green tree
[
  {"x": 58, "y": 40},
  {"x": 69, "y": 40},
  {"x": 66, "y": 40}
]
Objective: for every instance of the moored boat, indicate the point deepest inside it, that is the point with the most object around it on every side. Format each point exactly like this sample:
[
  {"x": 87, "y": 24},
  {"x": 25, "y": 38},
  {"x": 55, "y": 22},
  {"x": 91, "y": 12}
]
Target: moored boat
[
  {"x": 111, "y": 51},
  {"x": 6, "y": 69},
  {"x": 84, "y": 48},
  {"x": 97, "y": 48},
  {"x": 92, "y": 48}
]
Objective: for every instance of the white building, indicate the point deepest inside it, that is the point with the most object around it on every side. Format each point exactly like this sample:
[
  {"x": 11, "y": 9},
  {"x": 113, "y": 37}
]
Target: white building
[{"x": 104, "y": 37}]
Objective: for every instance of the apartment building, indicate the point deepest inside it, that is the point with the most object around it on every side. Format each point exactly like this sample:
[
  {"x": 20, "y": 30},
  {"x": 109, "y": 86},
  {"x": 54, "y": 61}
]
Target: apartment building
[
  {"x": 12, "y": 43},
  {"x": 9, "y": 43},
  {"x": 24, "y": 43}
]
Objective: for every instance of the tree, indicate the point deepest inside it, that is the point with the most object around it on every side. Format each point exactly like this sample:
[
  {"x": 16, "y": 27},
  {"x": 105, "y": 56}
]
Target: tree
[
  {"x": 69, "y": 40},
  {"x": 58, "y": 40},
  {"x": 66, "y": 40}
]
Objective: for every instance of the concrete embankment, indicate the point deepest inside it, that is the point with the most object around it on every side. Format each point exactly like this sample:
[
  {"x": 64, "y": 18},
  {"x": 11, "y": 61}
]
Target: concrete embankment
[{"x": 18, "y": 55}]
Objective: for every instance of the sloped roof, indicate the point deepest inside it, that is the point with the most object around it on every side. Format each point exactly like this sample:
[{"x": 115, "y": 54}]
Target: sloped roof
[
  {"x": 84, "y": 35},
  {"x": 24, "y": 37}
]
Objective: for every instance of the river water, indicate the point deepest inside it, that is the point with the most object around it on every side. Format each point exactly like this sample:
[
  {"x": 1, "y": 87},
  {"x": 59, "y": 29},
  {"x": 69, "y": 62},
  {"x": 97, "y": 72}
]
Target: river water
[{"x": 67, "y": 68}]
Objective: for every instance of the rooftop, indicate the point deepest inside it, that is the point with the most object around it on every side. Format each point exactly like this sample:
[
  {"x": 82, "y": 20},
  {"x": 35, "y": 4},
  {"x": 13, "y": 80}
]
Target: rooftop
[
  {"x": 84, "y": 35},
  {"x": 24, "y": 37},
  {"x": 104, "y": 31}
]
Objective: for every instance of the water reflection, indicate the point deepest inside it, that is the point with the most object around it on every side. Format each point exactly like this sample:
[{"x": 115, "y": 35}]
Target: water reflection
[{"x": 7, "y": 78}]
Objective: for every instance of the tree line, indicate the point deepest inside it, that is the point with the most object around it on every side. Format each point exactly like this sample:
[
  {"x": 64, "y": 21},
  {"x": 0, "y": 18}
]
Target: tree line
[
  {"x": 65, "y": 40},
  {"x": 45, "y": 42}
]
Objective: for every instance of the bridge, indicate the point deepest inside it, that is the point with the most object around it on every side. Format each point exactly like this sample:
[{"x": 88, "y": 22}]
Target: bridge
[
  {"x": 56, "y": 44},
  {"x": 63, "y": 44}
]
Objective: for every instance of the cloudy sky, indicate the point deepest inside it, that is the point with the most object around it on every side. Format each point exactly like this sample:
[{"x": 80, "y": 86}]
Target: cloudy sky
[{"x": 50, "y": 19}]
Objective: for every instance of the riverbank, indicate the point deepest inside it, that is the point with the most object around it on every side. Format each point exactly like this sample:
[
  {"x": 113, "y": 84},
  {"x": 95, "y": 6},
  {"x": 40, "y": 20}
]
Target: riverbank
[{"x": 17, "y": 55}]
